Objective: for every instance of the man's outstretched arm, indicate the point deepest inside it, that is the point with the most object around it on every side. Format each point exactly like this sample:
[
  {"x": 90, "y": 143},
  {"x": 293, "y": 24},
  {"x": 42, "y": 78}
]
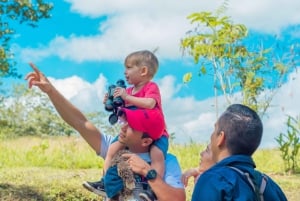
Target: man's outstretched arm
[{"x": 69, "y": 113}]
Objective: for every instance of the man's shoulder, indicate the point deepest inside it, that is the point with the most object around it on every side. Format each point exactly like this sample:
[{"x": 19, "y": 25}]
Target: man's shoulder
[
  {"x": 171, "y": 163},
  {"x": 219, "y": 176},
  {"x": 218, "y": 171},
  {"x": 231, "y": 177},
  {"x": 173, "y": 171},
  {"x": 214, "y": 183},
  {"x": 171, "y": 157},
  {"x": 272, "y": 190}
]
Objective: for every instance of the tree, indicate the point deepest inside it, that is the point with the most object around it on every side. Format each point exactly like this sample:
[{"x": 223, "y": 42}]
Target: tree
[
  {"x": 28, "y": 12},
  {"x": 29, "y": 112},
  {"x": 289, "y": 144},
  {"x": 218, "y": 45}
]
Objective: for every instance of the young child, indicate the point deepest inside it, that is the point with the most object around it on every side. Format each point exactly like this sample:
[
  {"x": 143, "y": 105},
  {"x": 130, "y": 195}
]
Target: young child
[
  {"x": 206, "y": 161},
  {"x": 140, "y": 68}
]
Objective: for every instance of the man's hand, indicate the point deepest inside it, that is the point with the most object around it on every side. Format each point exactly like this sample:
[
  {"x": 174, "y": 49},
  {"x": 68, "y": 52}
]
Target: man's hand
[
  {"x": 38, "y": 79},
  {"x": 137, "y": 164}
]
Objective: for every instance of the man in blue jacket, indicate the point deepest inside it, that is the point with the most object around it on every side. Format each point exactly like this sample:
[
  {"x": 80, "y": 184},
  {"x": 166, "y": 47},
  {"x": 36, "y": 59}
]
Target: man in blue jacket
[{"x": 236, "y": 136}]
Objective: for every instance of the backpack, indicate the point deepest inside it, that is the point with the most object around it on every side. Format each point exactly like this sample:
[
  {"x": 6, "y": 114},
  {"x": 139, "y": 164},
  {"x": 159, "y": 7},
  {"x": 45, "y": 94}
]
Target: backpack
[{"x": 259, "y": 190}]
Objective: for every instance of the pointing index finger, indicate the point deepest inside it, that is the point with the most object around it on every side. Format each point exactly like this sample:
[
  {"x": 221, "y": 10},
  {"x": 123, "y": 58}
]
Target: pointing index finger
[
  {"x": 36, "y": 70},
  {"x": 34, "y": 67}
]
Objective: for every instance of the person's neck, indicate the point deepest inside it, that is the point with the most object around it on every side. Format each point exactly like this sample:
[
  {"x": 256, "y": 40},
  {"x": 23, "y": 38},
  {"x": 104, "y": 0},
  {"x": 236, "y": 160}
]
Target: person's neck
[
  {"x": 224, "y": 153},
  {"x": 138, "y": 149},
  {"x": 140, "y": 85}
]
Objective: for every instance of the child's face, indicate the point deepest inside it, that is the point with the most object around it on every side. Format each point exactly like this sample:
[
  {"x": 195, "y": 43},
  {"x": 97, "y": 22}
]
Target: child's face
[
  {"x": 135, "y": 74},
  {"x": 206, "y": 158}
]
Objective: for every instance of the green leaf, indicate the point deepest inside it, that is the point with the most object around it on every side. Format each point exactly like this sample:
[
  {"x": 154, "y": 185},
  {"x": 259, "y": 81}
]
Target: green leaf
[{"x": 187, "y": 77}]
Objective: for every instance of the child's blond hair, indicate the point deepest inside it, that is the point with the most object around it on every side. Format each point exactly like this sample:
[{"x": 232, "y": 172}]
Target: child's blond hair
[{"x": 143, "y": 58}]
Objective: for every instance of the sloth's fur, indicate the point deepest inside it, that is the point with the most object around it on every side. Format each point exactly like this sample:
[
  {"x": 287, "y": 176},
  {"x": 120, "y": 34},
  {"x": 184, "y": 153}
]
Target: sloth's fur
[{"x": 126, "y": 174}]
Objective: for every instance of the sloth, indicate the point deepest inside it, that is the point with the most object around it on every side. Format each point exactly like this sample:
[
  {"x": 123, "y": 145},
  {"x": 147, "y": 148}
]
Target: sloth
[{"x": 126, "y": 174}]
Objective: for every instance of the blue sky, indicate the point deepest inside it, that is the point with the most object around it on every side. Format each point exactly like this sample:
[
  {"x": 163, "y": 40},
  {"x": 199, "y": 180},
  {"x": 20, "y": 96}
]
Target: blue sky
[{"x": 82, "y": 47}]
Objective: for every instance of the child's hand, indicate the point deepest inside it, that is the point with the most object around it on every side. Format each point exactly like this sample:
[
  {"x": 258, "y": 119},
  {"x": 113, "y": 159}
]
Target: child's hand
[
  {"x": 194, "y": 172},
  {"x": 105, "y": 98},
  {"x": 120, "y": 91}
]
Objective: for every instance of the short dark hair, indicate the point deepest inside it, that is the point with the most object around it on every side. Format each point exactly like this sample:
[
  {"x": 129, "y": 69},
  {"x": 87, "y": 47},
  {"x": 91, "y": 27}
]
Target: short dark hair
[
  {"x": 243, "y": 129},
  {"x": 146, "y": 135}
]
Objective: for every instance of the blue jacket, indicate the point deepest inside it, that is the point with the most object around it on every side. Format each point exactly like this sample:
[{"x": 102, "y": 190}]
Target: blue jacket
[{"x": 222, "y": 183}]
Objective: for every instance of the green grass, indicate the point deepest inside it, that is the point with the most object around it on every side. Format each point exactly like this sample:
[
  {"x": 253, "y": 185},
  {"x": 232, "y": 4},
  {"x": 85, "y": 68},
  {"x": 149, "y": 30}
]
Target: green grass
[
  {"x": 54, "y": 168},
  {"x": 56, "y": 152}
]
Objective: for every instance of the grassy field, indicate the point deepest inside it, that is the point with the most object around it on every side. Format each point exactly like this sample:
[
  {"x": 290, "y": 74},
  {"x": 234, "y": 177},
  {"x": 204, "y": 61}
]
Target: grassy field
[{"x": 54, "y": 168}]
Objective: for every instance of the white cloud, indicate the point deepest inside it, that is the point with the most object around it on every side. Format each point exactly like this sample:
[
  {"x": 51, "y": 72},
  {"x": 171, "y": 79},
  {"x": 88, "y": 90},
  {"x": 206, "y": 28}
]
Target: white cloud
[
  {"x": 141, "y": 24},
  {"x": 70, "y": 86},
  {"x": 168, "y": 88},
  {"x": 267, "y": 15},
  {"x": 86, "y": 96},
  {"x": 188, "y": 118},
  {"x": 96, "y": 8},
  {"x": 286, "y": 102}
]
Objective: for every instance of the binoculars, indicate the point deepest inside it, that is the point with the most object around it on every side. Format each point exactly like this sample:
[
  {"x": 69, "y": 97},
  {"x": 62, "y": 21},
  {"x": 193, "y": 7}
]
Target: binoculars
[{"x": 113, "y": 103}]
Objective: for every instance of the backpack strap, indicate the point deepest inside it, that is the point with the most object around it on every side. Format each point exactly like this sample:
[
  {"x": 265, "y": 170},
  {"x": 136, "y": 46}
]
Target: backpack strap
[
  {"x": 259, "y": 192},
  {"x": 262, "y": 187}
]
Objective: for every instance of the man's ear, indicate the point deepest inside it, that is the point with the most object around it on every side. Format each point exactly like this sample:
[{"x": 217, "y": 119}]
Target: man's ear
[
  {"x": 147, "y": 142},
  {"x": 221, "y": 139}
]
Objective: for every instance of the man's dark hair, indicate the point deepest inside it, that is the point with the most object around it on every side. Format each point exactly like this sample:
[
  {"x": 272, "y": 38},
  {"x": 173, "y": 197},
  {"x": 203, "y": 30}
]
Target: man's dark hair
[
  {"x": 145, "y": 135},
  {"x": 243, "y": 129}
]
